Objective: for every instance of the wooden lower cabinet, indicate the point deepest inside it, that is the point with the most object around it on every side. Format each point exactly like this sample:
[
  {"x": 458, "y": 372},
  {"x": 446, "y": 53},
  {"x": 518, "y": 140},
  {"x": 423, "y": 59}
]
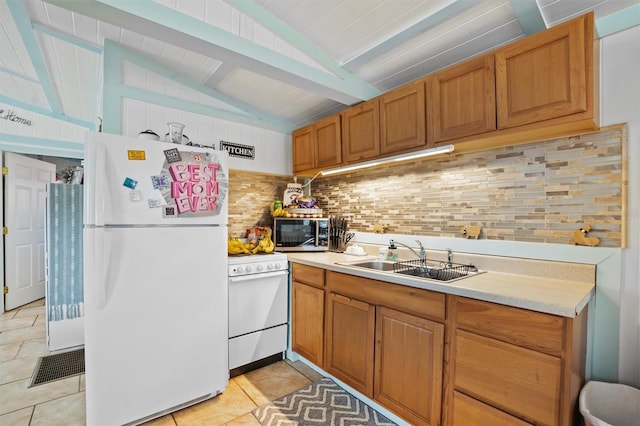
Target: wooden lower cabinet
[
  {"x": 409, "y": 361},
  {"x": 307, "y": 325},
  {"x": 518, "y": 380},
  {"x": 471, "y": 412},
  {"x": 349, "y": 342},
  {"x": 440, "y": 359},
  {"x": 394, "y": 357},
  {"x": 509, "y": 362},
  {"x": 307, "y": 328}
]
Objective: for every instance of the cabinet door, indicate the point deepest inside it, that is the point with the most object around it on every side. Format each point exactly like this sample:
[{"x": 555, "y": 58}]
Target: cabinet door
[
  {"x": 361, "y": 131},
  {"x": 303, "y": 149},
  {"x": 409, "y": 361},
  {"x": 520, "y": 381},
  {"x": 328, "y": 142},
  {"x": 307, "y": 326},
  {"x": 462, "y": 100},
  {"x": 349, "y": 342},
  {"x": 403, "y": 119},
  {"x": 542, "y": 76}
]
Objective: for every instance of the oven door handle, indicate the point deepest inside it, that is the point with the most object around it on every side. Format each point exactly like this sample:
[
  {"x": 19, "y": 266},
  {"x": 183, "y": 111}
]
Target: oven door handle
[{"x": 261, "y": 275}]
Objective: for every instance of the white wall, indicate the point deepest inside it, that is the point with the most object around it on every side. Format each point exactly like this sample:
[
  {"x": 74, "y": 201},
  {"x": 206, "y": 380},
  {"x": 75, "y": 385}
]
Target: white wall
[
  {"x": 620, "y": 103},
  {"x": 45, "y": 135},
  {"x": 272, "y": 149}
]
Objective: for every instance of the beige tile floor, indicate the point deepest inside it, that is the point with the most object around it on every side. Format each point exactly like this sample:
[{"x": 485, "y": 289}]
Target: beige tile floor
[{"x": 22, "y": 342}]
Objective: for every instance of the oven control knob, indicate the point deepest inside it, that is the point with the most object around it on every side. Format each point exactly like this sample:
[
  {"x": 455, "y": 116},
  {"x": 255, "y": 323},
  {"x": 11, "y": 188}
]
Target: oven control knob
[
  {"x": 248, "y": 268},
  {"x": 259, "y": 267},
  {"x": 277, "y": 265},
  {"x": 269, "y": 266},
  {"x": 239, "y": 269}
]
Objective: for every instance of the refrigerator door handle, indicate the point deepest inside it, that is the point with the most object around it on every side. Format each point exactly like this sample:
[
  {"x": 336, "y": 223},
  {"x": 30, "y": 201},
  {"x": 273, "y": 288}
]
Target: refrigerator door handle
[
  {"x": 101, "y": 268},
  {"x": 101, "y": 195}
]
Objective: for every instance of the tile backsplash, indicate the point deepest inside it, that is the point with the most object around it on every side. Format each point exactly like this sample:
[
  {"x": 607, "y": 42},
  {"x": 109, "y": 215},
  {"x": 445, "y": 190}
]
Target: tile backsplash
[
  {"x": 536, "y": 192},
  {"x": 250, "y": 197}
]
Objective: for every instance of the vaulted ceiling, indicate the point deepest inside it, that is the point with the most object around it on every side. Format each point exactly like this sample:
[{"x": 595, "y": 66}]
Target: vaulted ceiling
[{"x": 277, "y": 63}]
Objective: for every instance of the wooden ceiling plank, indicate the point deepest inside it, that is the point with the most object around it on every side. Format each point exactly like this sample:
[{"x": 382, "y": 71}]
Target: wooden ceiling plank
[
  {"x": 618, "y": 21},
  {"x": 153, "y": 66},
  {"x": 529, "y": 15},
  {"x": 300, "y": 42},
  {"x": 402, "y": 37},
  {"x": 23, "y": 23},
  {"x": 44, "y": 29},
  {"x": 163, "y": 23}
]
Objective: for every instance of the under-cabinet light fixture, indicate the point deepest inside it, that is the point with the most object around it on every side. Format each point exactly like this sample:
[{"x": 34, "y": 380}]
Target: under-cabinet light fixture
[{"x": 445, "y": 149}]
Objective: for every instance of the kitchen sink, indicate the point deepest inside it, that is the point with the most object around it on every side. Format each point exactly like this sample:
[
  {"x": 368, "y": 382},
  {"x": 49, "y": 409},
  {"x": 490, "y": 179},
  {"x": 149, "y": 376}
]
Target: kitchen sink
[
  {"x": 430, "y": 271},
  {"x": 378, "y": 265}
]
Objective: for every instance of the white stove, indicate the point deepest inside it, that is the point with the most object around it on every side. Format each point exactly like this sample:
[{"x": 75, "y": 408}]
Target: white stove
[
  {"x": 258, "y": 310},
  {"x": 258, "y": 263}
]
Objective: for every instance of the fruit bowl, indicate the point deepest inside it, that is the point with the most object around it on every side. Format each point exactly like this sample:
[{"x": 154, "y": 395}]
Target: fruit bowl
[{"x": 306, "y": 202}]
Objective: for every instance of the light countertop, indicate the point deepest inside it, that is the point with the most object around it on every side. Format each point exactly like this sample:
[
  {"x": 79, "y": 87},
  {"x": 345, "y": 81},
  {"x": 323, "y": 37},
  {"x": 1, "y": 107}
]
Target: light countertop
[{"x": 529, "y": 287}]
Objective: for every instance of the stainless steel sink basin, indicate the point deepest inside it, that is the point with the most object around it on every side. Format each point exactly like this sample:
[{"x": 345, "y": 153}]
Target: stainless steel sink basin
[
  {"x": 378, "y": 265},
  {"x": 431, "y": 271}
]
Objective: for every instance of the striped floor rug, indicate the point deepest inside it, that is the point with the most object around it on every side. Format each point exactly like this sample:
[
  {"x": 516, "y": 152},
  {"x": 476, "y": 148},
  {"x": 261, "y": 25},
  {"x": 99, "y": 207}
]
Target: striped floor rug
[{"x": 323, "y": 402}]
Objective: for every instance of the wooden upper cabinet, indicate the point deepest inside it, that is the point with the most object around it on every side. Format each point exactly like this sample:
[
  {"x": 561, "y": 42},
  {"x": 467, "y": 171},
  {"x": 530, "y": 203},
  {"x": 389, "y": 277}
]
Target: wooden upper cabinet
[
  {"x": 317, "y": 145},
  {"x": 328, "y": 143},
  {"x": 462, "y": 100},
  {"x": 303, "y": 149},
  {"x": 361, "y": 131},
  {"x": 546, "y": 75},
  {"x": 403, "y": 119}
]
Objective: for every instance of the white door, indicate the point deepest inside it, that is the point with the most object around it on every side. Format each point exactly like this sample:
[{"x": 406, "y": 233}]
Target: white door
[{"x": 24, "y": 214}]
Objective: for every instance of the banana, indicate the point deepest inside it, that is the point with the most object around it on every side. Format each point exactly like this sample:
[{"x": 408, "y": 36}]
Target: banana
[
  {"x": 265, "y": 245},
  {"x": 279, "y": 212},
  {"x": 235, "y": 246},
  {"x": 269, "y": 246}
]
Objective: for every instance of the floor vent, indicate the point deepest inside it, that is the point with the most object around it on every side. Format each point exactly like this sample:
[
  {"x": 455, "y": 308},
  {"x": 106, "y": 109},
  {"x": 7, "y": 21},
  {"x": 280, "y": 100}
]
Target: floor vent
[{"x": 58, "y": 366}]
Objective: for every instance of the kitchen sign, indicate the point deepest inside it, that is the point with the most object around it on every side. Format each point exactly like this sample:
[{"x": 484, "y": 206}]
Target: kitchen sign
[
  {"x": 11, "y": 116},
  {"x": 238, "y": 150}
]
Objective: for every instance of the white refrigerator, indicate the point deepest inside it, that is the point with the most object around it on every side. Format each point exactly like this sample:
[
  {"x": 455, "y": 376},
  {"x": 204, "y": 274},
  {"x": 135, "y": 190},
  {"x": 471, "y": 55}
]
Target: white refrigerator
[{"x": 155, "y": 277}]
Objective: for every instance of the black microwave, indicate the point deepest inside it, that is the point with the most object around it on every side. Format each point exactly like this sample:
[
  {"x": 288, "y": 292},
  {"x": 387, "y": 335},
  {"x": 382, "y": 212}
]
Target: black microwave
[{"x": 301, "y": 234}]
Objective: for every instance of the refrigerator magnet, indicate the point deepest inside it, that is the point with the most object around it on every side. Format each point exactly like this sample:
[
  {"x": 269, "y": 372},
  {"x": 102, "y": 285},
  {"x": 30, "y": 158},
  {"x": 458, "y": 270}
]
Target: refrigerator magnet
[
  {"x": 172, "y": 155},
  {"x": 169, "y": 211},
  {"x": 136, "y": 155},
  {"x": 161, "y": 182},
  {"x": 197, "y": 156},
  {"x": 154, "y": 203},
  {"x": 130, "y": 183},
  {"x": 135, "y": 196}
]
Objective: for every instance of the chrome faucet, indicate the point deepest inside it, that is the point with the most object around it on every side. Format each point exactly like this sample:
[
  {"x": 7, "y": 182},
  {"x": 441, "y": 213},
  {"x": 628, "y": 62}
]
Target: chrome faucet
[
  {"x": 423, "y": 252},
  {"x": 449, "y": 257}
]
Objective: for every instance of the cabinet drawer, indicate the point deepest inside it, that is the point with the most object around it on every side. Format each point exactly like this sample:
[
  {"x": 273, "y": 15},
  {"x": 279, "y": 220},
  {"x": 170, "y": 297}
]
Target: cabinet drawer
[
  {"x": 471, "y": 412},
  {"x": 308, "y": 274},
  {"x": 533, "y": 330},
  {"x": 520, "y": 381},
  {"x": 407, "y": 299}
]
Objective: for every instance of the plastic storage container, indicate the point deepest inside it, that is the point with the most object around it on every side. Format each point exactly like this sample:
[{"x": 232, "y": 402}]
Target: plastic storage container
[{"x": 610, "y": 404}]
